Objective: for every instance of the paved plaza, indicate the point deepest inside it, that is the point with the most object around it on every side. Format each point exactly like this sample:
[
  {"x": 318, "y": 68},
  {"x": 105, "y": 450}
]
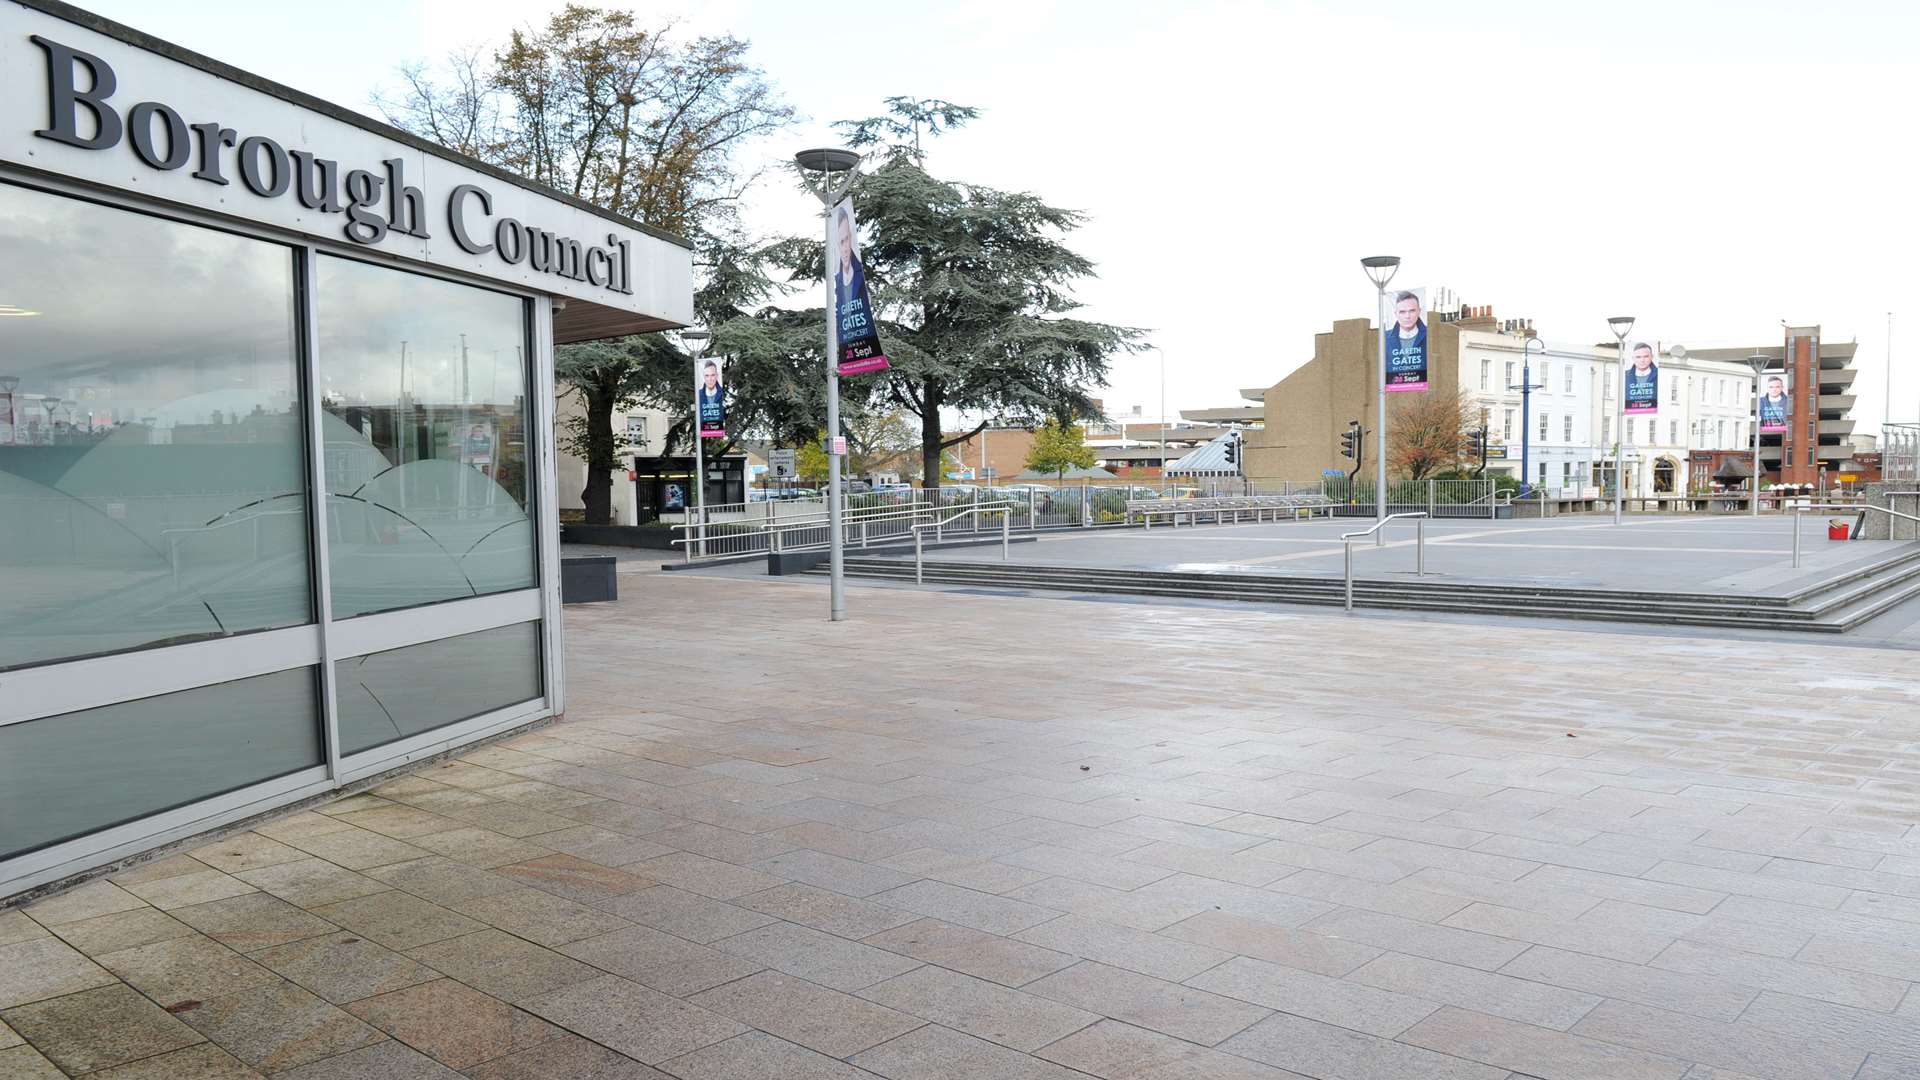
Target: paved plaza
[
  {"x": 1034, "y": 838},
  {"x": 1694, "y": 553}
]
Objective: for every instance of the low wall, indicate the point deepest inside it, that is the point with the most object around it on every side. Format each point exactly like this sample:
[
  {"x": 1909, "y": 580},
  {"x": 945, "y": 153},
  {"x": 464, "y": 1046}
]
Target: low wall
[
  {"x": 1881, "y": 527},
  {"x": 653, "y": 538},
  {"x": 799, "y": 562}
]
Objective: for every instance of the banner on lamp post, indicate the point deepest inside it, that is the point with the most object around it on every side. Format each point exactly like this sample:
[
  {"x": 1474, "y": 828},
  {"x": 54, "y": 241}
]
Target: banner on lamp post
[
  {"x": 1775, "y": 407},
  {"x": 1642, "y": 379},
  {"x": 710, "y": 397},
  {"x": 857, "y": 330},
  {"x": 1407, "y": 342}
]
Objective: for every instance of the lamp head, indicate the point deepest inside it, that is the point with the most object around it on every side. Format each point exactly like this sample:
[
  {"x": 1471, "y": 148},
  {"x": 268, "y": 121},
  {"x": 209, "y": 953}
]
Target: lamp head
[
  {"x": 695, "y": 341},
  {"x": 1621, "y": 325},
  {"x": 1758, "y": 362},
  {"x": 827, "y": 160},
  {"x": 1381, "y": 268}
]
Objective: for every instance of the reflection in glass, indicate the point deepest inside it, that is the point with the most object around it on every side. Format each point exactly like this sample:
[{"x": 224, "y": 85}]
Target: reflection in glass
[
  {"x": 424, "y": 387},
  {"x": 152, "y": 477},
  {"x": 69, "y": 775},
  {"x": 391, "y": 695}
]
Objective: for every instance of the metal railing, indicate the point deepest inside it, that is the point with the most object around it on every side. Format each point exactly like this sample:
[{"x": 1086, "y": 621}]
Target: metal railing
[
  {"x": 1859, "y": 509},
  {"x": 938, "y": 525},
  {"x": 1377, "y": 531}
]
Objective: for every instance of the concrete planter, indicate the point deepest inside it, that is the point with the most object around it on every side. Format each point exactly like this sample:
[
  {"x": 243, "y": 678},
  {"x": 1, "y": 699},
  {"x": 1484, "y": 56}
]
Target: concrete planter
[{"x": 587, "y": 579}]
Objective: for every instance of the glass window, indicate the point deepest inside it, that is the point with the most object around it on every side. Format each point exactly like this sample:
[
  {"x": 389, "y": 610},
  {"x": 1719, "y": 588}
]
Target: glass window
[
  {"x": 1567, "y": 428},
  {"x": 1486, "y": 373},
  {"x": 1606, "y": 430},
  {"x": 152, "y": 471},
  {"x": 424, "y": 391},
  {"x": 1673, "y": 432},
  {"x": 69, "y": 775},
  {"x": 1509, "y": 384},
  {"x": 388, "y": 696},
  {"x": 1506, "y": 425},
  {"x": 1567, "y": 378},
  {"x": 1543, "y": 427}
]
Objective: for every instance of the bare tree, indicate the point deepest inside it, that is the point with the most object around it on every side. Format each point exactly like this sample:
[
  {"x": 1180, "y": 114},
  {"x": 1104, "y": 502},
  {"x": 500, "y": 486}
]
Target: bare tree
[
  {"x": 1430, "y": 433},
  {"x": 628, "y": 118}
]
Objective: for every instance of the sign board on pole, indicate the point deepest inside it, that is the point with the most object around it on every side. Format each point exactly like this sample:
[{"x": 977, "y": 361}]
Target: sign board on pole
[
  {"x": 839, "y": 446},
  {"x": 783, "y": 462}
]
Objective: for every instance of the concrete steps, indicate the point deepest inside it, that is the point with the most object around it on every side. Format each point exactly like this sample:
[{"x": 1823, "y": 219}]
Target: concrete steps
[{"x": 1832, "y": 605}]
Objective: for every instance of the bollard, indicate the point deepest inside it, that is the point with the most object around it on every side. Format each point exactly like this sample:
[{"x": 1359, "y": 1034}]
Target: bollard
[
  {"x": 1349, "y": 547},
  {"x": 1796, "y": 538},
  {"x": 918, "y": 577},
  {"x": 1006, "y": 537},
  {"x": 1420, "y": 547}
]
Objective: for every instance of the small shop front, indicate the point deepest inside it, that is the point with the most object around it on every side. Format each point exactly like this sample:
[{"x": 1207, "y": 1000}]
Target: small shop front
[{"x": 276, "y": 440}]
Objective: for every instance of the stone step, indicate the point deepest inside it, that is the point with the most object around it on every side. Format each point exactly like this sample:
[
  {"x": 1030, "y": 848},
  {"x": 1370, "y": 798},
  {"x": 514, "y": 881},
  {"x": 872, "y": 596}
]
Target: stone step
[{"x": 1833, "y": 605}]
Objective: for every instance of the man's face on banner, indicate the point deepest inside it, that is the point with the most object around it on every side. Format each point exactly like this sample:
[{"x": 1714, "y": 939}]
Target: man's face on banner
[
  {"x": 1407, "y": 312},
  {"x": 712, "y": 376},
  {"x": 1776, "y": 387},
  {"x": 846, "y": 241},
  {"x": 1642, "y": 359}
]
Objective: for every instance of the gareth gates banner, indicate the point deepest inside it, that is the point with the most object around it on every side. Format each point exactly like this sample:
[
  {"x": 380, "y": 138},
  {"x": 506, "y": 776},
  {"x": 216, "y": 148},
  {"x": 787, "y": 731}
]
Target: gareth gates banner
[
  {"x": 1407, "y": 342},
  {"x": 1643, "y": 380},
  {"x": 855, "y": 330}
]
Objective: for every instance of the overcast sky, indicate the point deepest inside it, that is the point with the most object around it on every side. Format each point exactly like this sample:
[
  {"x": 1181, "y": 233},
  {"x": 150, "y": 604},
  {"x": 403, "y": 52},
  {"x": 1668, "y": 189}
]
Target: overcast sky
[{"x": 1713, "y": 168}]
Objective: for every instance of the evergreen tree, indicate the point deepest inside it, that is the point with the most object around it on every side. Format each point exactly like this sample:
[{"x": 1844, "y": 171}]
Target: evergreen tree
[{"x": 972, "y": 288}]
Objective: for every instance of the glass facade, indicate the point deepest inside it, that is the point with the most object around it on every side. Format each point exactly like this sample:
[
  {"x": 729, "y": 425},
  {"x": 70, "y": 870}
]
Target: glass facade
[
  {"x": 387, "y": 696},
  {"x": 424, "y": 391},
  {"x": 169, "y": 393},
  {"x": 69, "y": 775},
  {"x": 152, "y": 465}
]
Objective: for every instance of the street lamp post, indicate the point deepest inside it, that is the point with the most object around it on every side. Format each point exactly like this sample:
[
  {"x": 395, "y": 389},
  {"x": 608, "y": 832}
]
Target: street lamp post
[
  {"x": 829, "y": 174},
  {"x": 1527, "y": 387},
  {"x": 1162, "y": 354},
  {"x": 1380, "y": 270},
  {"x": 1621, "y": 325},
  {"x": 1758, "y": 362},
  {"x": 695, "y": 342}
]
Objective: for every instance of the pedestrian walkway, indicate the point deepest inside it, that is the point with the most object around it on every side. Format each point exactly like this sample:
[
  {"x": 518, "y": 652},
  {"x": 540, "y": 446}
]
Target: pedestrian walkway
[{"x": 1024, "y": 837}]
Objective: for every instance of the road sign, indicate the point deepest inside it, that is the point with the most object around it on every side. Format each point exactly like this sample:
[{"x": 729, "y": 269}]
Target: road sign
[
  {"x": 1332, "y": 472},
  {"x": 783, "y": 463},
  {"x": 839, "y": 446}
]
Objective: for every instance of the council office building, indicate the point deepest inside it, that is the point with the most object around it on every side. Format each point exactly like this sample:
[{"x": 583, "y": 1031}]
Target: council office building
[{"x": 277, "y": 500}]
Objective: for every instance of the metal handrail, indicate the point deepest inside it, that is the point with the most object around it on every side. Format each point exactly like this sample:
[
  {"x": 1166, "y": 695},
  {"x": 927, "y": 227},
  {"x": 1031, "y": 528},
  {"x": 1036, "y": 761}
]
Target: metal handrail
[
  {"x": 1858, "y": 508},
  {"x": 694, "y": 533},
  {"x": 1005, "y": 510},
  {"x": 1420, "y": 544}
]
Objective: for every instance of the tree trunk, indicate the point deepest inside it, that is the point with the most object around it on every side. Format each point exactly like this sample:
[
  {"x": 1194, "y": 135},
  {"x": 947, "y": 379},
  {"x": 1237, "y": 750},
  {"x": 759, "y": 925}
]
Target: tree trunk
[
  {"x": 930, "y": 448},
  {"x": 598, "y": 496}
]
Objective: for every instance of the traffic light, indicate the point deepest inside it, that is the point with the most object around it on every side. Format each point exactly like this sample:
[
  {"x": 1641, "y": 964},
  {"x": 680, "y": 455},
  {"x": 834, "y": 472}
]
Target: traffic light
[
  {"x": 1233, "y": 449},
  {"x": 1350, "y": 440}
]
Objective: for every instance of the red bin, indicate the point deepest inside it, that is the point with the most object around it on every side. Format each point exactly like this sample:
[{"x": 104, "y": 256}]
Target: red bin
[{"x": 1836, "y": 529}]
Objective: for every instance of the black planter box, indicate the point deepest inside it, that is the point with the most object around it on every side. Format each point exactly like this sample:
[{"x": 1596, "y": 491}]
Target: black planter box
[{"x": 587, "y": 579}]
